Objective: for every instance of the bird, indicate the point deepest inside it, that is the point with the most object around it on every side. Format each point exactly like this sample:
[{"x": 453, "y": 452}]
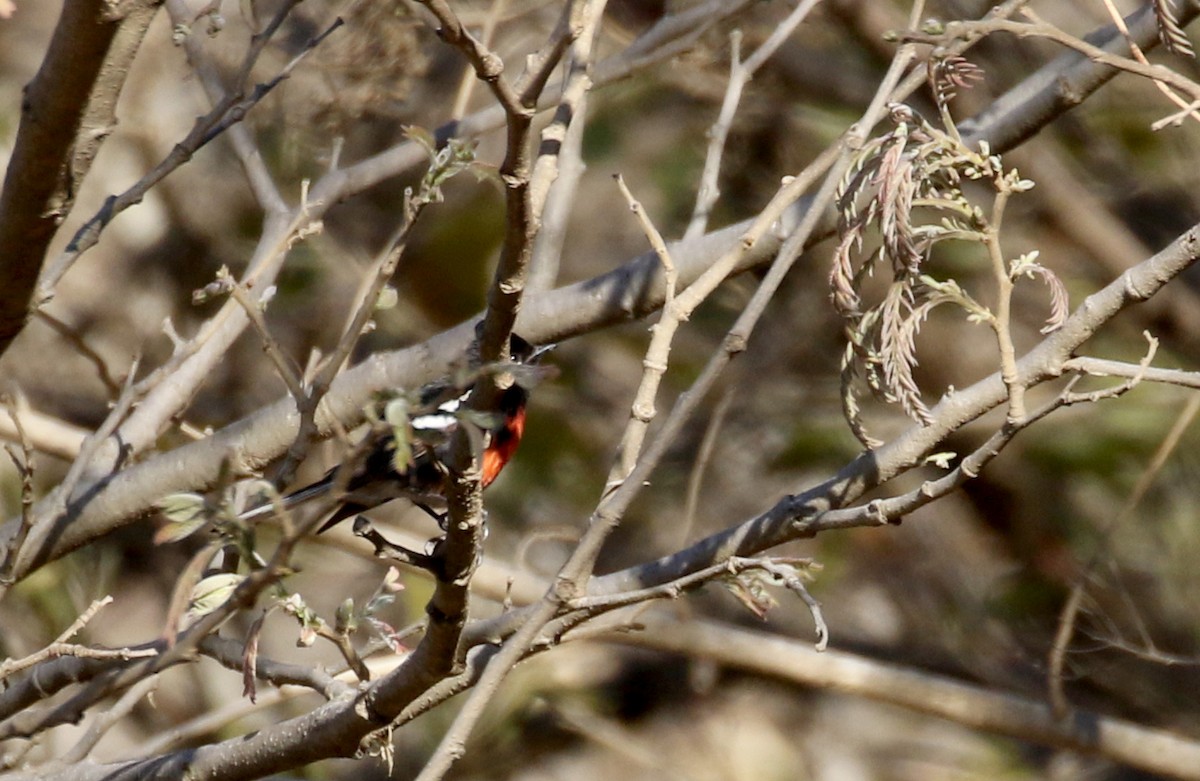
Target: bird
[{"x": 380, "y": 474}]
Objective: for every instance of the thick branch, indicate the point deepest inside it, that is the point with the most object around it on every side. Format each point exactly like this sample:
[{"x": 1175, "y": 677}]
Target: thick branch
[
  {"x": 1062, "y": 84},
  {"x": 68, "y": 111},
  {"x": 628, "y": 292},
  {"x": 804, "y": 514},
  {"x": 1012, "y": 715}
]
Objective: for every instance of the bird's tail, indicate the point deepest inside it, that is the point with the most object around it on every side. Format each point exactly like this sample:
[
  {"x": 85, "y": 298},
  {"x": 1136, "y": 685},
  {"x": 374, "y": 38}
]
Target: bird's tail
[{"x": 319, "y": 488}]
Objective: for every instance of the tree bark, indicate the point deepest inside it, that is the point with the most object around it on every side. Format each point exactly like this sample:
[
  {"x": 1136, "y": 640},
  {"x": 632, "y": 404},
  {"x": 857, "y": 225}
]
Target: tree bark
[{"x": 68, "y": 110}]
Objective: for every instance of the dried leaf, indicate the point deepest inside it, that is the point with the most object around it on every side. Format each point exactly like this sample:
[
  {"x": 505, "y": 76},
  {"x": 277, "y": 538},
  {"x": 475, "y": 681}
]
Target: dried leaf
[
  {"x": 1059, "y": 298},
  {"x": 908, "y": 185},
  {"x": 898, "y": 350},
  {"x": 750, "y": 588},
  {"x": 250, "y": 659},
  {"x": 1170, "y": 32},
  {"x": 387, "y": 633},
  {"x": 947, "y": 75}
]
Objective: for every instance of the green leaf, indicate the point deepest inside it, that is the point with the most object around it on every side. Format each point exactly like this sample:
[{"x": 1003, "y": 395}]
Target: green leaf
[
  {"x": 397, "y": 416},
  {"x": 182, "y": 507},
  {"x": 212, "y": 592},
  {"x": 186, "y": 514},
  {"x": 423, "y": 137},
  {"x": 395, "y": 412},
  {"x": 345, "y": 619},
  {"x": 388, "y": 298}
]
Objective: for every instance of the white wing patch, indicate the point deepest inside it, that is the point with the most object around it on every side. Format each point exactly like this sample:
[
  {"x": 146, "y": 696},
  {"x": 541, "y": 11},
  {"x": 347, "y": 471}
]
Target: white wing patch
[
  {"x": 433, "y": 422},
  {"x": 442, "y": 420}
]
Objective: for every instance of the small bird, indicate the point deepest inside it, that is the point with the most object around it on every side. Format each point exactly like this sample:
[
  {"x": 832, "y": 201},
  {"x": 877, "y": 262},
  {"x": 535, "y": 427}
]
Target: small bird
[{"x": 421, "y": 477}]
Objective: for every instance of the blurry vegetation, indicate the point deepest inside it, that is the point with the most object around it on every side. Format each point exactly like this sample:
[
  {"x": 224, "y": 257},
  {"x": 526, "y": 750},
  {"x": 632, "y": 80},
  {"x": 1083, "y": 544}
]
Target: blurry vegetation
[{"x": 971, "y": 586}]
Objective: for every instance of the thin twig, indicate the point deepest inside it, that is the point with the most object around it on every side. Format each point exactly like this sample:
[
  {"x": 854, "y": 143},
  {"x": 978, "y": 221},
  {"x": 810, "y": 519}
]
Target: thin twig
[
  {"x": 76, "y": 340},
  {"x": 786, "y": 572},
  {"x": 670, "y": 274},
  {"x": 1132, "y": 380},
  {"x": 740, "y": 74},
  {"x": 657, "y": 354},
  {"x": 18, "y": 407},
  {"x": 892, "y": 509},
  {"x": 570, "y": 116},
  {"x": 560, "y": 201},
  {"x": 230, "y": 110},
  {"x": 229, "y": 653},
  {"x": 526, "y": 183},
  {"x": 708, "y": 444},
  {"x": 1100, "y": 367},
  {"x": 1157, "y": 751},
  {"x": 60, "y": 647},
  {"x": 488, "y": 66},
  {"x": 1123, "y": 388},
  {"x": 1001, "y": 321},
  {"x": 470, "y": 79},
  {"x": 1039, "y": 29},
  {"x": 105, "y": 721},
  {"x": 708, "y": 192},
  {"x": 285, "y": 366},
  {"x": 311, "y": 395},
  {"x": 559, "y": 166},
  {"x": 1070, "y": 611},
  {"x": 124, "y": 403},
  {"x": 259, "y": 178},
  {"x": 1187, "y": 108}
]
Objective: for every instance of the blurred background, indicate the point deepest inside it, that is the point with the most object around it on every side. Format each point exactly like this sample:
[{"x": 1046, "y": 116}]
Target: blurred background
[{"x": 971, "y": 586}]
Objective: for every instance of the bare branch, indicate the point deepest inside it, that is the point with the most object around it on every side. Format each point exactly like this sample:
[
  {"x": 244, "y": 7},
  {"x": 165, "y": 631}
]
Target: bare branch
[
  {"x": 1153, "y": 750},
  {"x": 231, "y": 109},
  {"x": 17, "y": 409},
  {"x": 109, "y": 719},
  {"x": 61, "y": 647},
  {"x": 1099, "y": 367},
  {"x": 1070, "y": 611},
  {"x": 1063, "y": 83},
  {"x": 285, "y": 366},
  {"x": 740, "y": 73},
  {"x": 73, "y": 337},
  {"x": 807, "y": 512},
  {"x": 68, "y": 111},
  {"x": 46, "y": 434},
  {"x": 526, "y": 182},
  {"x": 487, "y": 64}
]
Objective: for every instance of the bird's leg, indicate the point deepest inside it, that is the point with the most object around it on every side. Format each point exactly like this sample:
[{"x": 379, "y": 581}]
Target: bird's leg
[{"x": 434, "y": 514}]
